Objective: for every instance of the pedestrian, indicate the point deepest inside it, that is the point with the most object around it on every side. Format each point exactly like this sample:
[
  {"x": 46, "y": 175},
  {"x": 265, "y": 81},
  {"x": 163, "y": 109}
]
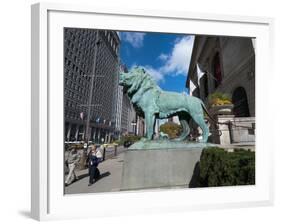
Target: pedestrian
[
  {"x": 94, "y": 159},
  {"x": 72, "y": 161}
]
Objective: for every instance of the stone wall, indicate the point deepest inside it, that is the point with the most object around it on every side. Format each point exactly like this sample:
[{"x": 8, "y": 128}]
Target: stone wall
[{"x": 241, "y": 130}]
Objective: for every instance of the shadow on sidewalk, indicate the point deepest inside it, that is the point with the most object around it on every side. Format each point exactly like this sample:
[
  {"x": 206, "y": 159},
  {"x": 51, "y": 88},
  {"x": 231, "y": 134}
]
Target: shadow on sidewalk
[{"x": 105, "y": 174}]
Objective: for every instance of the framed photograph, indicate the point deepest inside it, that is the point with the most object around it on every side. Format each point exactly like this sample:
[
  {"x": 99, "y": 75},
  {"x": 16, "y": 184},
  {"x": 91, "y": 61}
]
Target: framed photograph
[{"x": 148, "y": 111}]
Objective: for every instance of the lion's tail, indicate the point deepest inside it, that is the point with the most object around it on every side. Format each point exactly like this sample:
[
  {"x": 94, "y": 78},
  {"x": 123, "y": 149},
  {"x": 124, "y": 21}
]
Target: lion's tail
[{"x": 207, "y": 112}]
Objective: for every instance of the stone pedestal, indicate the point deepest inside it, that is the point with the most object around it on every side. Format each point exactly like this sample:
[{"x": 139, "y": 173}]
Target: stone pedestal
[
  {"x": 158, "y": 168},
  {"x": 240, "y": 130},
  {"x": 225, "y": 138}
]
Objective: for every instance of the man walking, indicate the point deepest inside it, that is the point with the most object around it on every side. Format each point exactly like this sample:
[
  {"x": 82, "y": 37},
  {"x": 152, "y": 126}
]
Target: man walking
[{"x": 72, "y": 160}]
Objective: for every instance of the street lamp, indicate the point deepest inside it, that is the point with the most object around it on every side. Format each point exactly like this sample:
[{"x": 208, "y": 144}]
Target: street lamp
[
  {"x": 91, "y": 89},
  {"x": 92, "y": 82}
]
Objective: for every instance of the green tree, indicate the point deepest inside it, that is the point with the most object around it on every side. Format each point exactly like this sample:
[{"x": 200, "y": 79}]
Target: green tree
[{"x": 172, "y": 129}]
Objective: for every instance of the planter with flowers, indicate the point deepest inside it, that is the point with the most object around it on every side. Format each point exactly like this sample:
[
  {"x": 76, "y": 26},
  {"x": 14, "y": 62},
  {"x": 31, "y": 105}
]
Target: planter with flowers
[{"x": 220, "y": 104}]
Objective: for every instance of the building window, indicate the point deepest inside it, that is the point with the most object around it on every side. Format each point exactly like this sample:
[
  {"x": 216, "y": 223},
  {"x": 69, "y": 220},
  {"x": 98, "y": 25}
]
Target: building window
[{"x": 239, "y": 99}]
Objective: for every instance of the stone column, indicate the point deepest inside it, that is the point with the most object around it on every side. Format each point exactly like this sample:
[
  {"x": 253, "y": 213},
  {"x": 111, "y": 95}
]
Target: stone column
[
  {"x": 106, "y": 138},
  {"x": 225, "y": 138},
  {"x": 83, "y": 133},
  {"x": 77, "y": 132},
  {"x": 109, "y": 137},
  {"x": 94, "y": 135},
  {"x": 98, "y": 135},
  {"x": 68, "y": 132}
]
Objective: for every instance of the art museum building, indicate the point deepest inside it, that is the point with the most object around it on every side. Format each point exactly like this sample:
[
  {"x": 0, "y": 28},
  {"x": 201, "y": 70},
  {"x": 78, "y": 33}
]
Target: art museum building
[{"x": 226, "y": 65}]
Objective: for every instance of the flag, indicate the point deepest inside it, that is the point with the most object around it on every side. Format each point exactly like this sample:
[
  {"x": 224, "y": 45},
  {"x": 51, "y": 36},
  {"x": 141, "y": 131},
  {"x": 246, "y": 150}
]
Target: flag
[
  {"x": 104, "y": 121},
  {"x": 82, "y": 115},
  {"x": 109, "y": 123},
  {"x": 200, "y": 74},
  {"x": 254, "y": 44},
  {"x": 98, "y": 120},
  {"x": 192, "y": 87}
]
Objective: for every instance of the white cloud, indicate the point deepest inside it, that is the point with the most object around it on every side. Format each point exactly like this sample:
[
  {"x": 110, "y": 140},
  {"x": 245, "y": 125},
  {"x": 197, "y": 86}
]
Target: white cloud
[
  {"x": 134, "y": 38},
  {"x": 177, "y": 62},
  {"x": 163, "y": 57},
  {"x": 155, "y": 74}
]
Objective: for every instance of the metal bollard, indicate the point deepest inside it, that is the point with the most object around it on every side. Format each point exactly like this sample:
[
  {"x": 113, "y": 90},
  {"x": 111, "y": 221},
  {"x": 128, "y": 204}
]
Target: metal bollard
[{"x": 103, "y": 156}]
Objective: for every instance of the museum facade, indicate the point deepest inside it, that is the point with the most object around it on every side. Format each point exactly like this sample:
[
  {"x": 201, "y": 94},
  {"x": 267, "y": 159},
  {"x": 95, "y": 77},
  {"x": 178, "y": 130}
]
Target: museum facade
[{"x": 225, "y": 65}]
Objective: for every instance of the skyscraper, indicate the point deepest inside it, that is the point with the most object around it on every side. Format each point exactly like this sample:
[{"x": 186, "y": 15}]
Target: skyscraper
[{"x": 90, "y": 60}]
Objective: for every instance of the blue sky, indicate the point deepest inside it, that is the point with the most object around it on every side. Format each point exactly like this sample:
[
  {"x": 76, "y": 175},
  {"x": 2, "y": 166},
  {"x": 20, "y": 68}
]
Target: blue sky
[{"x": 166, "y": 57}]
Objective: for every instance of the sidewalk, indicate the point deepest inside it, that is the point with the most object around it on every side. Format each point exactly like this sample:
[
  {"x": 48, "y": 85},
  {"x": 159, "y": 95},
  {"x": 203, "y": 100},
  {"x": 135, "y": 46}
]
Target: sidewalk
[{"x": 111, "y": 175}]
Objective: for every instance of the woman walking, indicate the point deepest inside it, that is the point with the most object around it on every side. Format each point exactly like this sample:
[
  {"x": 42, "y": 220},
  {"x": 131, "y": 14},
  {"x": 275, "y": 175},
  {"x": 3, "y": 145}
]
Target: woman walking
[{"x": 94, "y": 158}]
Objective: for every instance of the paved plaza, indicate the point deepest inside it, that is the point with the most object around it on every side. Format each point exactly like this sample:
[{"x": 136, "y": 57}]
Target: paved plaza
[
  {"x": 111, "y": 171},
  {"x": 110, "y": 180}
]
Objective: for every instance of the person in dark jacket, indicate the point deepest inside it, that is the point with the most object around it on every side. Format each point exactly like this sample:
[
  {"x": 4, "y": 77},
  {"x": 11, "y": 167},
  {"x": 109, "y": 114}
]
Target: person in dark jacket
[{"x": 94, "y": 158}]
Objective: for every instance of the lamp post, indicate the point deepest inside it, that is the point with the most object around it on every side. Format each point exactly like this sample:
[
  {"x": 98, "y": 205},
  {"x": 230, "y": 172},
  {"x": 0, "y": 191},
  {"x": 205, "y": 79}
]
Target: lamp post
[
  {"x": 91, "y": 89},
  {"x": 87, "y": 137}
]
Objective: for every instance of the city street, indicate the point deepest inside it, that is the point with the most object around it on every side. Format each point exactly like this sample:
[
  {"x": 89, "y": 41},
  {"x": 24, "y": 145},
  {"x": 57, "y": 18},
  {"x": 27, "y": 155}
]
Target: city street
[{"x": 111, "y": 174}]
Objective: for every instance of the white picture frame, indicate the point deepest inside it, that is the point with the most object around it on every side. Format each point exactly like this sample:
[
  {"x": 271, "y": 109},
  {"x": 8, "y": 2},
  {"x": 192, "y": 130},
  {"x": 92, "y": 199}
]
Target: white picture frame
[{"x": 48, "y": 201}]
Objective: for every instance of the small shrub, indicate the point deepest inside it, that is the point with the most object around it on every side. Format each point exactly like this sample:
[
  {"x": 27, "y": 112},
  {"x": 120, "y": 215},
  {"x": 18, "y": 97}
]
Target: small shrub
[
  {"x": 75, "y": 146},
  {"x": 172, "y": 129},
  {"x": 131, "y": 138},
  {"x": 220, "y": 168}
]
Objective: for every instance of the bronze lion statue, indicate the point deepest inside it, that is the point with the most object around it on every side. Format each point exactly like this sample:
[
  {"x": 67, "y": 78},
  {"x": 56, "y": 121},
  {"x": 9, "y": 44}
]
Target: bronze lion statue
[{"x": 156, "y": 103}]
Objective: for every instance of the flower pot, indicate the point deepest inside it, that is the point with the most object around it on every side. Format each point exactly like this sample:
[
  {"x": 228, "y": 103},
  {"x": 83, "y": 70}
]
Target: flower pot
[{"x": 221, "y": 109}]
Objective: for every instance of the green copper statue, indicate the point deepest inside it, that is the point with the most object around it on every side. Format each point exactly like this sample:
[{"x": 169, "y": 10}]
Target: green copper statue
[{"x": 156, "y": 103}]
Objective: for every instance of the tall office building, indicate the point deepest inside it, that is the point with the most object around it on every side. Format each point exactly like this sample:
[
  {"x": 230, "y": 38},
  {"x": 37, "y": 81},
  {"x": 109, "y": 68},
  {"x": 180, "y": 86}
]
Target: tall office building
[
  {"x": 118, "y": 116},
  {"x": 90, "y": 54},
  {"x": 128, "y": 117}
]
